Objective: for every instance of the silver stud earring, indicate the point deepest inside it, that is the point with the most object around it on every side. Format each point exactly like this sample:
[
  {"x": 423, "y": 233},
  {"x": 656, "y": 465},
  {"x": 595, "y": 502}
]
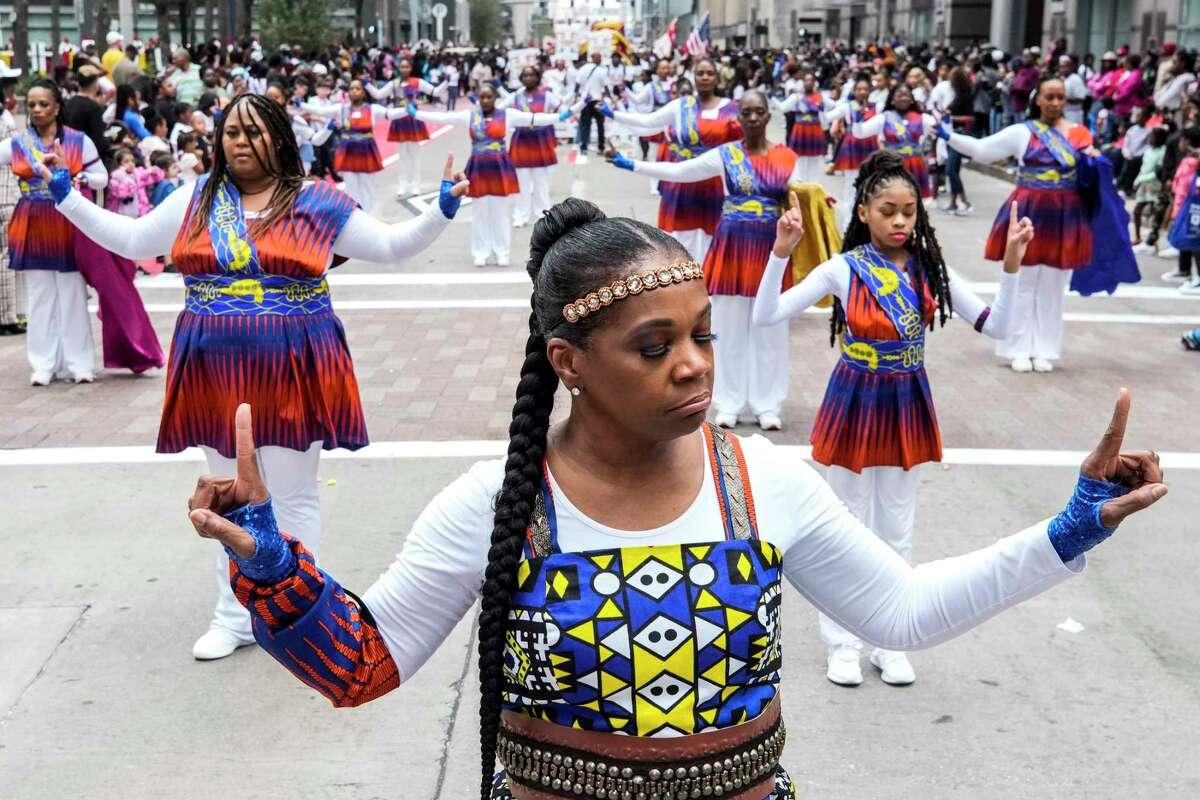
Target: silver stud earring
[{"x": 576, "y": 391}]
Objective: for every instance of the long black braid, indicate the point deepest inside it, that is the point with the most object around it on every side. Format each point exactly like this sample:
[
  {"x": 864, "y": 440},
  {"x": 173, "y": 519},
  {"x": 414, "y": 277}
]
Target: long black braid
[
  {"x": 574, "y": 250},
  {"x": 882, "y": 168}
]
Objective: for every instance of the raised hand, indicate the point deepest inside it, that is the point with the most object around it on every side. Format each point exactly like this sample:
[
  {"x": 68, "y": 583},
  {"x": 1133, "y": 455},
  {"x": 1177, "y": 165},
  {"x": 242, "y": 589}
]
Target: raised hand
[
  {"x": 1139, "y": 472},
  {"x": 617, "y": 159},
  {"x": 790, "y": 228},
  {"x": 454, "y": 186},
  {"x": 1020, "y": 234},
  {"x": 217, "y": 495}
]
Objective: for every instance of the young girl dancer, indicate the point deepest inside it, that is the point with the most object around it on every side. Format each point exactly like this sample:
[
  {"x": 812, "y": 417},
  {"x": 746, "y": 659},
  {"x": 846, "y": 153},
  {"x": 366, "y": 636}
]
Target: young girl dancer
[
  {"x": 358, "y": 158},
  {"x": 752, "y": 372},
  {"x": 409, "y": 132},
  {"x": 904, "y": 128},
  {"x": 851, "y": 151},
  {"x": 695, "y": 124},
  {"x": 41, "y": 242},
  {"x": 877, "y": 420},
  {"x": 629, "y": 559},
  {"x": 490, "y": 170},
  {"x": 1049, "y": 149},
  {"x": 531, "y": 149},
  {"x": 255, "y": 242},
  {"x": 807, "y": 135}
]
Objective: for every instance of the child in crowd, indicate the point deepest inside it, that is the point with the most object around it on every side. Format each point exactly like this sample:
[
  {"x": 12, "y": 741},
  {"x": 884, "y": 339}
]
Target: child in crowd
[
  {"x": 1147, "y": 186},
  {"x": 127, "y": 184},
  {"x": 156, "y": 142},
  {"x": 191, "y": 164},
  {"x": 171, "y": 180},
  {"x": 1182, "y": 186},
  {"x": 183, "y": 115}
]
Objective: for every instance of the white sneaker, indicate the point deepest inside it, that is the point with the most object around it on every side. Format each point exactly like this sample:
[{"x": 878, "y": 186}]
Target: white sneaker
[
  {"x": 1043, "y": 365},
  {"x": 217, "y": 643},
  {"x": 1021, "y": 364},
  {"x": 1176, "y": 276},
  {"x": 84, "y": 377},
  {"x": 1168, "y": 252},
  {"x": 842, "y": 666},
  {"x": 1192, "y": 288},
  {"x": 770, "y": 422},
  {"x": 40, "y": 379},
  {"x": 964, "y": 211},
  {"x": 1142, "y": 248},
  {"x": 481, "y": 262},
  {"x": 893, "y": 667},
  {"x": 726, "y": 420},
  {"x": 502, "y": 260},
  {"x": 520, "y": 223}
]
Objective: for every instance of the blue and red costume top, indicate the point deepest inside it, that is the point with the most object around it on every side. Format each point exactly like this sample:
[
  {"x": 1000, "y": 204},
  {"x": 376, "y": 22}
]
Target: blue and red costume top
[
  {"x": 532, "y": 146},
  {"x": 660, "y": 95},
  {"x": 902, "y": 134},
  {"x": 407, "y": 128},
  {"x": 357, "y": 151},
  {"x": 258, "y": 327},
  {"x": 38, "y": 236},
  {"x": 1048, "y": 192},
  {"x": 878, "y": 409},
  {"x": 756, "y": 189},
  {"x": 489, "y": 169},
  {"x": 807, "y": 137},
  {"x": 691, "y": 206},
  {"x": 853, "y": 151}
]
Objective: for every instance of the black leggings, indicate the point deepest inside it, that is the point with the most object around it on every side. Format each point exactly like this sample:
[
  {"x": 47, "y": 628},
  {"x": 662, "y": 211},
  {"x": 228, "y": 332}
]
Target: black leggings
[{"x": 1185, "y": 262}]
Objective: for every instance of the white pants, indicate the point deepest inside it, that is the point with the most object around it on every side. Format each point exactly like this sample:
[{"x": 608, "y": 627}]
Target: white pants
[
  {"x": 751, "y": 360},
  {"x": 1036, "y": 327},
  {"x": 408, "y": 165},
  {"x": 885, "y": 500},
  {"x": 696, "y": 241},
  {"x": 491, "y": 228},
  {"x": 60, "y": 332},
  {"x": 534, "y": 197},
  {"x": 809, "y": 169},
  {"x": 291, "y": 478},
  {"x": 361, "y": 187}
]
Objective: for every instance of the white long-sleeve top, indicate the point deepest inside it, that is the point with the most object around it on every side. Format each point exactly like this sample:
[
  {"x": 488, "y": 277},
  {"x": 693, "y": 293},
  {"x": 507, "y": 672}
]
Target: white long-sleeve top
[
  {"x": 828, "y": 555},
  {"x": 869, "y": 129},
  {"x": 343, "y": 111},
  {"x": 833, "y": 277},
  {"x": 363, "y": 236},
  {"x": 1170, "y": 97},
  {"x": 393, "y": 90},
  {"x": 708, "y": 164},
  {"x": 513, "y": 100},
  {"x": 93, "y": 169},
  {"x": 512, "y": 117},
  {"x": 1012, "y": 142},
  {"x": 844, "y": 110},
  {"x": 664, "y": 117},
  {"x": 792, "y": 102}
]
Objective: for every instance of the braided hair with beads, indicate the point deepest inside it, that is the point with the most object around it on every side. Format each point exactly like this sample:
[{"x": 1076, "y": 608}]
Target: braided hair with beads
[
  {"x": 574, "y": 249},
  {"x": 881, "y": 169}
]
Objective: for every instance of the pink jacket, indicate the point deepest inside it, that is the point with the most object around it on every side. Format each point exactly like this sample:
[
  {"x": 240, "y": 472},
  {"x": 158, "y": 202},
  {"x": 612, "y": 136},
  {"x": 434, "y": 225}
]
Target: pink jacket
[
  {"x": 1129, "y": 93},
  {"x": 125, "y": 187},
  {"x": 1185, "y": 177}
]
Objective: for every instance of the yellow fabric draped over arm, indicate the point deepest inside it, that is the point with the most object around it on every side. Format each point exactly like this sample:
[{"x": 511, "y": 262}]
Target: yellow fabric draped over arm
[{"x": 822, "y": 239}]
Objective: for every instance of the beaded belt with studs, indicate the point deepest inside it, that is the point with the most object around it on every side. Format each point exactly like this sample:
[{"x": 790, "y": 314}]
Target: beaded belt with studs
[{"x": 558, "y": 771}]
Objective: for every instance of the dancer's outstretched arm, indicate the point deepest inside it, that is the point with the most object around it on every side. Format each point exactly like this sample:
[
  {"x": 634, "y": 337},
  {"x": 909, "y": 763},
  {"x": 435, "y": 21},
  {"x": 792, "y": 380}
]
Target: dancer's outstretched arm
[
  {"x": 702, "y": 167},
  {"x": 1008, "y": 143}
]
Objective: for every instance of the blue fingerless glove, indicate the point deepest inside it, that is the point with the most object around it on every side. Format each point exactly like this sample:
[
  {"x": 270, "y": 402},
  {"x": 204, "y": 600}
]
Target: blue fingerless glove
[
  {"x": 60, "y": 185},
  {"x": 944, "y": 130},
  {"x": 621, "y": 162},
  {"x": 1077, "y": 528},
  {"x": 564, "y": 115},
  {"x": 447, "y": 202},
  {"x": 606, "y": 110},
  {"x": 273, "y": 560}
]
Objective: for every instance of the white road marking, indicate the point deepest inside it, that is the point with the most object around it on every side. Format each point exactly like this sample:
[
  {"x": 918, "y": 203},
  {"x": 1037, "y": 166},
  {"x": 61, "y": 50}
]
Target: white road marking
[{"x": 61, "y": 456}]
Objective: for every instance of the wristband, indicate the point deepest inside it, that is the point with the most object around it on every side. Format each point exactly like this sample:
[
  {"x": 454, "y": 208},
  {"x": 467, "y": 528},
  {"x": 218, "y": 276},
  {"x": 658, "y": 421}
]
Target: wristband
[
  {"x": 273, "y": 560},
  {"x": 1077, "y": 528},
  {"x": 447, "y": 202},
  {"x": 621, "y": 162},
  {"x": 606, "y": 110},
  {"x": 943, "y": 131},
  {"x": 60, "y": 185}
]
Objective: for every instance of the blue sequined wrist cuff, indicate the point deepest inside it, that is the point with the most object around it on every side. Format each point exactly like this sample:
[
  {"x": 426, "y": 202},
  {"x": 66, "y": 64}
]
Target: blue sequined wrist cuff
[
  {"x": 60, "y": 185},
  {"x": 447, "y": 201},
  {"x": 1077, "y": 528},
  {"x": 273, "y": 560}
]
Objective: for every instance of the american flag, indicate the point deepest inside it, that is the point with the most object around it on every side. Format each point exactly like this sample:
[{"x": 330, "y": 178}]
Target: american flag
[{"x": 697, "y": 41}]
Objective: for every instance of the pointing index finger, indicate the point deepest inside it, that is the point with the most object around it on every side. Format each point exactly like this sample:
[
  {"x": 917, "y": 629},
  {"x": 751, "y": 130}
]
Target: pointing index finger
[
  {"x": 247, "y": 461},
  {"x": 1110, "y": 442},
  {"x": 449, "y": 170}
]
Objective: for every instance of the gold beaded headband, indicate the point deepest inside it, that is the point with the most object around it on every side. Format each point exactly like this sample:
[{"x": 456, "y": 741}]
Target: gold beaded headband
[{"x": 634, "y": 284}]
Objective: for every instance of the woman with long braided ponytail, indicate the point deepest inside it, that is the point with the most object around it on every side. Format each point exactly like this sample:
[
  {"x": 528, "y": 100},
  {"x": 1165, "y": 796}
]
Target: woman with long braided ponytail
[
  {"x": 877, "y": 421},
  {"x": 629, "y": 559},
  {"x": 254, "y": 242}
]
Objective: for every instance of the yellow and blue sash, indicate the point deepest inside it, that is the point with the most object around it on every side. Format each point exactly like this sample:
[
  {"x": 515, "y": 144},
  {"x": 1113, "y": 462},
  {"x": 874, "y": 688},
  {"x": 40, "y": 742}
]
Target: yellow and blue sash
[
  {"x": 232, "y": 245},
  {"x": 906, "y": 144},
  {"x": 745, "y": 200},
  {"x": 30, "y": 145},
  {"x": 481, "y": 141},
  {"x": 1038, "y": 177},
  {"x": 898, "y": 300},
  {"x": 807, "y": 109},
  {"x": 687, "y": 130}
]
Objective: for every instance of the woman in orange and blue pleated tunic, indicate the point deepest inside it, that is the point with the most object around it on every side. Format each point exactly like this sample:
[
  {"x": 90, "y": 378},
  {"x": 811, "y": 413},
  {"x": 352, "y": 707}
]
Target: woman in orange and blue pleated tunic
[
  {"x": 849, "y": 151},
  {"x": 532, "y": 148},
  {"x": 255, "y": 243},
  {"x": 695, "y": 124},
  {"x": 1051, "y": 151},
  {"x": 41, "y": 241},
  {"x": 752, "y": 376},
  {"x": 357, "y": 158},
  {"x": 490, "y": 170},
  {"x": 904, "y": 129},
  {"x": 807, "y": 136},
  {"x": 406, "y": 131},
  {"x": 877, "y": 421}
]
